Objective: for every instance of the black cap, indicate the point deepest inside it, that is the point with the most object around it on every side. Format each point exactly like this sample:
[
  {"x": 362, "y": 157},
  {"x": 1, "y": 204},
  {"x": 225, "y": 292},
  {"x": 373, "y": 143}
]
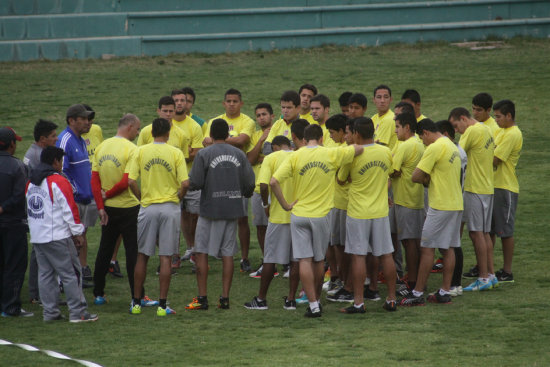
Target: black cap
[
  {"x": 78, "y": 110},
  {"x": 7, "y": 135}
]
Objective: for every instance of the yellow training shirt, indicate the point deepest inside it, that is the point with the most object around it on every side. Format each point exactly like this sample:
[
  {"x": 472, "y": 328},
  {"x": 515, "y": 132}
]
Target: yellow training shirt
[
  {"x": 93, "y": 138},
  {"x": 341, "y": 191},
  {"x": 238, "y": 125},
  {"x": 420, "y": 118},
  {"x": 327, "y": 140},
  {"x": 178, "y": 138},
  {"x": 368, "y": 190},
  {"x": 384, "y": 129},
  {"x": 193, "y": 131},
  {"x": 308, "y": 118},
  {"x": 478, "y": 143},
  {"x": 254, "y": 139},
  {"x": 110, "y": 161},
  {"x": 406, "y": 156},
  {"x": 491, "y": 124},
  {"x": 162, "y": 170},
  {"x": 271, "y": 162},
  {"x": 508, "y": 142},
  {"x": 280, "y": 127},
  {"x": 313, "y": 170},
  {"x": 441, "y": 160}
]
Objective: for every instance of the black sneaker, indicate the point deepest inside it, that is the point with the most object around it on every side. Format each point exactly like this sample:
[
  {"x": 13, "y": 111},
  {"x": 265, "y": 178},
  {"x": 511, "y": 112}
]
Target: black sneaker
[
  {"x": 370, "y": 294},
  {"x": 87, "y": 274},
  {"x": 224, "y": 303},
  {"x": 412, "y": 300},
  {"x": 390, "y": 306},
  {"x": 86, "y": 317},
  {"x": 504, "y": 277},
  {"x": 57, "y": 318},
  {"x": 341, "y": 296},
  {"x": 255, "y": 304},
  {"x": 114, "y": 270},
  {"x": 438, "y": 298},
  {"x": 245, "y": 266},
  {"x": 473, "y": 273},
  {"x": 87, "y": 284},
  {"x": 353, "y": 309},
  {"x": 402, "y": 290},
  {"x": 290, "y": 304},
  {"x": 312, "y": 314}
]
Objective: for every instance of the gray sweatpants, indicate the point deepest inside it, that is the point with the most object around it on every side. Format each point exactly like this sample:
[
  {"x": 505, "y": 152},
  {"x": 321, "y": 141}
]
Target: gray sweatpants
[{"x": 59, "y": 258}]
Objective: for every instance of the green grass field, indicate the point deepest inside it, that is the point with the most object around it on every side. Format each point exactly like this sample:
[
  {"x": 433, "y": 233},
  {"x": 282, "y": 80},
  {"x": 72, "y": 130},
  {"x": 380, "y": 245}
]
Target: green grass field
[{"x": 508, "y": 326}]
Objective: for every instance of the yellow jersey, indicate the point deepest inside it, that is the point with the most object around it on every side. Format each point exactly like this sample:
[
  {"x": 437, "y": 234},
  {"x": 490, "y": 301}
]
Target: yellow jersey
[
  {"x": 491, "y": 124},
  {"x": 254, "y": 139},
  {"x": 238, "y": 125},
  {"x": 509, "y": 142},
  {"x": 420, "y": 118},
  {"x": 271, "y": 162},
  {"x": 193, "y": 131},
  {"x": 341, "y": 191},
  {"x": 308, "y": 118},
  {"x": 178, "y": 138},
  {"x": 384, "y": 129},
  {"x": 406, "y": 156},
  {"x": 478, "y": 143},
  {"x": 327, "y": 140},
  {"x": 93, "y": 138},
  {"x": 280, "y": 127}
]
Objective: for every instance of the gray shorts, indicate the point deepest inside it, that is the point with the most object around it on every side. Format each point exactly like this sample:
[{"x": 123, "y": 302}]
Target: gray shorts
[
  {"x": 409, "y": 222},
  {"x": 216, "y": 237},
  {"x": 504, "y": 212},
  {"x": 478, "y": 210},
  {"x": 365, "y": 236},
  {"x": 278, "y": 244},
  {"x": 88, "y": 213},
  {"x": 338, "y": 226},
  {"x": 441, "y": 229},
  {"x": 191, "y": 202},
  {"x": 159, "y": 223},
  {"x": 258, "y": 213},
  {"x": 245, "y": 206},
  {"x": 310, "y": 237}
]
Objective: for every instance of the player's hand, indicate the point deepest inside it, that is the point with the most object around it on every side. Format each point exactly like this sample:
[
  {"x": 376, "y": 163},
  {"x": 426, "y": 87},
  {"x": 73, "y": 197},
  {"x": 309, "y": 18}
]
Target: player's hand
[
  {"x": 78, "y": 241},
  {"x": 266, "y": 210},
  {"x": 290, "y": 206},
  {"x": 207, "y": 141},
  {"x": 265, "y": 134},
  {"x": 103, "y": 217}
]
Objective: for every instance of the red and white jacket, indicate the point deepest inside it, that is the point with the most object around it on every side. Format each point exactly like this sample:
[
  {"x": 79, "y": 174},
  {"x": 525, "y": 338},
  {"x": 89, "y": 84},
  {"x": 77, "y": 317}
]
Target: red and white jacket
[{"x": 51, "y": 210}]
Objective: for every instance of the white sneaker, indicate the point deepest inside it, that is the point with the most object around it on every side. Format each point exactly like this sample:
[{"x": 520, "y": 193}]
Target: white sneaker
[
  {"x": 187, "y": 254},
  {"x": 326, "y": 285},
  {"x": 286, "y": 274},
  {"x": 455, "y": 291}
]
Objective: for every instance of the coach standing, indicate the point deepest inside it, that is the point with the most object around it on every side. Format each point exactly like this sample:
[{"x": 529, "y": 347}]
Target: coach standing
[{"x": 13, "y": 232}]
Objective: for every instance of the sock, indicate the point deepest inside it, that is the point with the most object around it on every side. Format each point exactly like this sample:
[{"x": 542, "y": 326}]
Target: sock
[
  {"x": 358, "y": 306},
  {"x": 491, "y": 276},
  {"x": 442, "y": 292},
  {"x": 417, "y": 293},
  {"x": 411, "y": 284},
  {"x": 485, "y": 280},
  {"x": 314, "y": 306},
  {"x": 136, "y": 301},
  {"x": 162, "y": 302},
  {"x": 259, "y": 299},
  {"x": 367, "y": 281}
]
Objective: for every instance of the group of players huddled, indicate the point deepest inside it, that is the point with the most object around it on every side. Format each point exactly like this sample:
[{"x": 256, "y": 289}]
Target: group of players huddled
[{"x": 343, "y": 191}]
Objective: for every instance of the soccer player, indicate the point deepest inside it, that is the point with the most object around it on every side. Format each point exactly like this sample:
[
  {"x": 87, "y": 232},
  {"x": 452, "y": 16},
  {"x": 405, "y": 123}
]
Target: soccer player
[
  {"x": 278, "y": 243},
  {"x": 439, "y": 169},
  {"x": 509, "y": 142},
  {"x": 306, "y": 92},
  {"x": 384, "y": 124},
  {"x": 357, "y": 105},
  {"x": 190, "y": 203},
  {"x": 225, "y": 177},
  {"x": 164, "y": 182},
  {"x": 412, "y": 97},
  {"x": 313, "y": 169},
  {"x": 55, "y": 230},
  {"x": 478, "y": 143},
  {"x": 77, "y": 168},
  {"x": 44, "y": 136},
  {"x": 320, "y": 111},
  {"x": 408, "y": 197},
  {"x": 290, "y": 109},
  {"x": 264, "y": 119},
  {"x": 481, "y": 110},
  {"x": 343, "y": 101},
  {"x": 190, "y": 99}
]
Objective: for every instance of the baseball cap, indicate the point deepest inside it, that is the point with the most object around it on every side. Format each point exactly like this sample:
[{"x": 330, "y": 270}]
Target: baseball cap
[
  {"x": 78, "y": 110},
  {"x": 7, "y": 135}
]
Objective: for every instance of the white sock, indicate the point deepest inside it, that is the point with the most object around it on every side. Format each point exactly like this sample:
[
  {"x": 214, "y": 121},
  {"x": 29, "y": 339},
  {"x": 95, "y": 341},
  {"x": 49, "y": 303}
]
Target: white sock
[
  {"x": 113, "y": 262},
  {"x": 417, "y": 293},
  {"x": 313, "y": 306},
  {"x": 358, "y": 306},
  {"x": 367, "y": 281},
  {"x": 442, "y": 292}
]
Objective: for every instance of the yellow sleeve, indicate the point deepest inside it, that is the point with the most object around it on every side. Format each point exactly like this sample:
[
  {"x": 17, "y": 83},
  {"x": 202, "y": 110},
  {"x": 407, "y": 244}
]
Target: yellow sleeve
[
  {"x": 265, "y": 171},
  {"x": 248, "y": 127},
  {"x": 505, "y": 146},
  {"x": 181, "y": 167},
  {"x": 197, "y": 136},
  {"x": 285, "y": 170},
  {"x": 428, "y": 160},
  {"x": 398, "y": 155},
  {"x": 133, "y": 166}
]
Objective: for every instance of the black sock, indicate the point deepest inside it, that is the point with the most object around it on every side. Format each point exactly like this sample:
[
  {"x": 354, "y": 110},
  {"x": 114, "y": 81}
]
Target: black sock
[
  {"x": 411, "y": 284},
  {"x": 137, "y": 301},
  {"x": 162, "y": 302}
]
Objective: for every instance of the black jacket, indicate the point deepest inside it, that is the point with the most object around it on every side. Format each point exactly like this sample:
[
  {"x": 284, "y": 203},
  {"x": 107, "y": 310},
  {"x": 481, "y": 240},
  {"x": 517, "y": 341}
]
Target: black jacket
[{"x": 13, "y": 179}]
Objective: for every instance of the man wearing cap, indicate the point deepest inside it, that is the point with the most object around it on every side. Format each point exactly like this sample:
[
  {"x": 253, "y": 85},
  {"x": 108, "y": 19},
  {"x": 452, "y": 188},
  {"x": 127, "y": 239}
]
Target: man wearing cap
[
  {"x": 13, "y": 231},
  {"x": 76, "y": 166}
]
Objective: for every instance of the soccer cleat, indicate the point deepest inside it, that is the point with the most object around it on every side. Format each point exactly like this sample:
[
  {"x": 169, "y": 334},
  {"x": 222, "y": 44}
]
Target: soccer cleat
[
  {"x": 245, "y": 266},
  {"x": 176, "y": 262},
  {"x": 85, "y": 317},
  {"x": 286, "y": 274},
  {"x": 22, "y": 313},
  {"x": 165, "y": 311},
  {"x": 335, "y": 287},
  {"x": 326, "y": 285},
  {"x": 438, "y": 298},
  {"x": 370, "y": 294},
  {"x": 412, "y": 300},
  {"x": 256, "y": 304},
  {"x": 472, "y": 273},
  {"x": 198, "y": 303},
  {"x": 456, "y": 291},
  {"x": 438, "y": 266},
  {"x": 303, "y": 298},
  {"x": 504, "y": 277},
  {"x": 494, "y": 282},
  {"x": 135, "y": 309},
  {"x": 390, "y": 305},
  {"x": 257, "y": 273},
  {"x": 341, "y": 296},
  {"x": 187, "y": 254},
  {"x": 57, "y": 318},
  {"x": 478, "y": 285},
  {"x": 313, "y": 313},
  {"x": 100, "y": 300},
  {"x": 114, "y": 270},
  {"x": 402, "y": 289},
  {"x": 381, "y": 278},
  {"x": 352, "y": 309},
  {"x": 290, "y": 304},
  {"x": 148, "y": 302},
  {"x": 87, "y": 274},
  {"x": 327, "y": 276},
  {"x": 223, "y": 303}
]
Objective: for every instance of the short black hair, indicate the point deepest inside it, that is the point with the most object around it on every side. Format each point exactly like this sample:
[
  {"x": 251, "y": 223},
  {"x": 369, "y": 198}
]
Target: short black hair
[
  {"x": 265, "y": 105},
  {"x": 444, "y": 126},
  {"x": 350, "y": 123},
  {"x": 280, "y": 140},
  {"x": 298, "y": 128},
  {"x": 291, "y": 96},
  {"x": 337, "y": 122},
  {"x": 505, "y": 107},
  {"x": 232, "y": 92},
  {"x": 161, "y": 127},
  {"x": 411, "y": 94},
  {"x": 426, "y": 124},
  {"x": 50, "y": 154},
  {"x": 310, "y": 87},
  {"x": 321, "y": 98},
  {"x": 364, "y": 127},
  {"x": 176, "y": 92},
  {"x": 344, "y": 99},
  {"x": 358, "y": 98},
  {"x": 458, "y": 112},
  {"x": 43, "y": 128},
  {"x": 190, "y": 91},
  {"x": 219, "y": 130},
  {"x": 483, "y": 100},
  {"x": 381, "y": 86},
  {"x": 407, "y": 118},
  {"x": 313, "y": 132},
  {"x": 166, "y": 101},
  {"x": 405, "y": 107}
]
